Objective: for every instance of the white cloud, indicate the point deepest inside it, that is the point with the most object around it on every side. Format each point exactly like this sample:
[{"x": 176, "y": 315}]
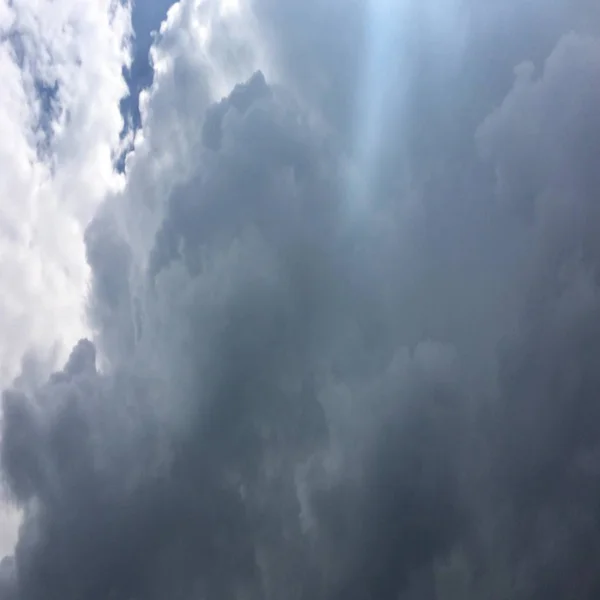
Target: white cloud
[
  {"x": 57, "y": 153},
  {"x": 56, "y": 149},
  {"x": 192, "y": 68},
  {"x": 61, "y": 83}
]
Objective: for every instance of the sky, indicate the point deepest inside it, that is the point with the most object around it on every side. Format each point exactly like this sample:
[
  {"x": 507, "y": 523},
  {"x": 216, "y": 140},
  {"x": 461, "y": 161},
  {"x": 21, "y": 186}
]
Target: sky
[{"x": 300, "y": 298}]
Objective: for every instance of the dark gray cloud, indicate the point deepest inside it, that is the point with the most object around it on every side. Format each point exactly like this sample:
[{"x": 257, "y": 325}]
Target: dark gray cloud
[
  {"x": 323, "y": 382},
  {"x": 548, "y": 372}
]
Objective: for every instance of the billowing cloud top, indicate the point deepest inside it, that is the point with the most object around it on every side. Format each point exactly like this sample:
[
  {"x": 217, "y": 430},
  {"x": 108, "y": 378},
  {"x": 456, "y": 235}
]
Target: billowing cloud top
[{"x": 343, "y": 302}]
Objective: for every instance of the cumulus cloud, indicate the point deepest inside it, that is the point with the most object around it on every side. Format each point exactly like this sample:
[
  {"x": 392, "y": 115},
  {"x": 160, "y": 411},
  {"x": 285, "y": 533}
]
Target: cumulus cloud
[
  {"x": 344, "y": 317},
  {"x": 61, "y": 69}
]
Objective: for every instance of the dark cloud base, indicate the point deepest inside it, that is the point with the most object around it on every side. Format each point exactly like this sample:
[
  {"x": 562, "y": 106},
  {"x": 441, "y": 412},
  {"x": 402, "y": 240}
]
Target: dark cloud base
[{"x": 310, "y": 394}]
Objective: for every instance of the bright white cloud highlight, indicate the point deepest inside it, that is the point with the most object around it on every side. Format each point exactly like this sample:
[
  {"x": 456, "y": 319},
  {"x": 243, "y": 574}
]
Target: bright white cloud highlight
[{"x": 61, "y": 83}]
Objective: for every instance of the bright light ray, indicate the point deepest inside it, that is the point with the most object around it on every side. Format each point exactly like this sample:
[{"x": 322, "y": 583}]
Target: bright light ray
[
  {"x": 385, "y": 58},
  {"x": 387, "y": 73}
]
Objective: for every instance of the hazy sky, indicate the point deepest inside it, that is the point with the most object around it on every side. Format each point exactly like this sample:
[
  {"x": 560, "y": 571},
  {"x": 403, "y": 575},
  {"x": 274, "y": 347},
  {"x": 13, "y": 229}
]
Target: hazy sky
[{"x": 316, "y": 315}]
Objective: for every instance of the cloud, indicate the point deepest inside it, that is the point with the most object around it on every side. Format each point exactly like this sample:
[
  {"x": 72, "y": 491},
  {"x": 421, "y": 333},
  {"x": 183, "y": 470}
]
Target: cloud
[
  {"x": 548, "y": 372},
  {"x": 319, "y": 371},
  {"x": 60, "y": 123}
]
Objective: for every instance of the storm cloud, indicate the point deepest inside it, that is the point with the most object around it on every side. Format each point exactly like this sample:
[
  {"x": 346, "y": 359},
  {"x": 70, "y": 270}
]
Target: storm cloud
[{"x": 345, "y": 318}]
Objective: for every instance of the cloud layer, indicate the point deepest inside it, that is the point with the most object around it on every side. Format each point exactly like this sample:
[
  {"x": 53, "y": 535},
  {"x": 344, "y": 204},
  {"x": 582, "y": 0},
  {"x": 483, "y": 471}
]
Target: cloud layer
[{"x": 345, "y": 317}]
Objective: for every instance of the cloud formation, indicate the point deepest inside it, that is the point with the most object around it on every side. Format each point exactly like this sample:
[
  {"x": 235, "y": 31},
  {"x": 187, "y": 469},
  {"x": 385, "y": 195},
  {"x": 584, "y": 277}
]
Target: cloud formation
[
  {"x": 344, "y": 318},
  {"x": 59, "y": 129}
]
